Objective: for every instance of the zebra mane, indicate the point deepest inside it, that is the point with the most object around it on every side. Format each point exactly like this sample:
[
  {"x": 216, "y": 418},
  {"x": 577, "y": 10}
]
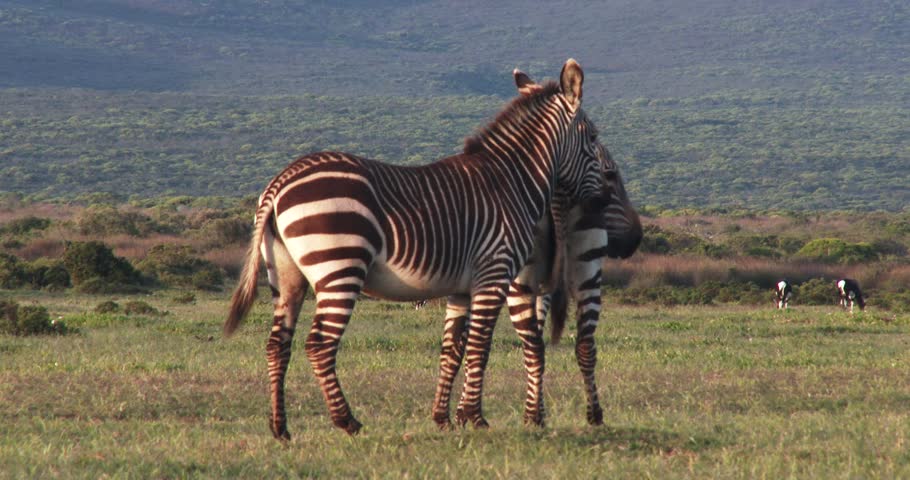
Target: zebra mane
[{"x": 515, "y": 110}]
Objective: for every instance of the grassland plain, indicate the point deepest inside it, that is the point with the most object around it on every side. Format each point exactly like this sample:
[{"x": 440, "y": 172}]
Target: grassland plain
[{"x": 725, "y": 392}]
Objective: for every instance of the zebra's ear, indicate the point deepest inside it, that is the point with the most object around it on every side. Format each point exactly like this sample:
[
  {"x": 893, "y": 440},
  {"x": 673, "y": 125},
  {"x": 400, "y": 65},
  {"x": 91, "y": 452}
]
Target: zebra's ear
[
  {"x": 525, "y": 85},
  {"x": 571, "y": 79}
]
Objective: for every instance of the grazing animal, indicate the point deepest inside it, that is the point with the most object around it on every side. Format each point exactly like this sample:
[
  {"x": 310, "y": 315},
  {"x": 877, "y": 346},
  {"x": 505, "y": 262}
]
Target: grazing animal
[
  {"x": 783, "y": 292},
  {"x": 460, "y": 227},
  {"x": 849, "y": 294},
  {"x": 420, "y": 304},
  {"x": 578, "y": 268}
]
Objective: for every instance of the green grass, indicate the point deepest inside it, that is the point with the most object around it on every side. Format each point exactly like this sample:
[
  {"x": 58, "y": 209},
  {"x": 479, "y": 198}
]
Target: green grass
[{"x": 726, "y": 392}]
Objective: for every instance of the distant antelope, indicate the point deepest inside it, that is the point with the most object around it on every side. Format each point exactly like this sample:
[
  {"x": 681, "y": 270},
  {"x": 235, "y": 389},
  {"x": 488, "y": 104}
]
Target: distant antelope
[
  {"x": 849, "y": 293},
  {"x": 783, "y": 292}
]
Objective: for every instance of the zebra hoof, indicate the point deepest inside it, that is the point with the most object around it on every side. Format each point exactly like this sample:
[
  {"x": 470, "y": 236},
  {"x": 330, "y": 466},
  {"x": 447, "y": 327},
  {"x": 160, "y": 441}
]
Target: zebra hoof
[
  {"x": 280, "y": 432},
  {"x": 476, "y": 418},
  {"x": 534, "y": 419},
  {"x": 596, "y": 416},
  {"x": 349, "y": 425},
  {"x": 443, "y": 422}
]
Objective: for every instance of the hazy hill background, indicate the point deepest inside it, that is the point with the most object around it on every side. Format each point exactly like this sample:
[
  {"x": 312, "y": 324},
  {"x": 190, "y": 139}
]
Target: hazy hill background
[{"x": 794, "y": 104}]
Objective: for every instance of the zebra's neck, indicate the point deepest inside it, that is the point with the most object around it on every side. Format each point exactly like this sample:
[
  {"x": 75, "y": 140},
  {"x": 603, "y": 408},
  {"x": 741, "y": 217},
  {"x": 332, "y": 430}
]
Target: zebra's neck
[{"x": 522, "y": 142}]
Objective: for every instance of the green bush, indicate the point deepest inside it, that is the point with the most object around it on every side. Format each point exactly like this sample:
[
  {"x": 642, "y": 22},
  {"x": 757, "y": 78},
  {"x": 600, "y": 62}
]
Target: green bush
[
  {"x": 8, "y": 317},
  {"x": 138, "y": 307},
  {"x": 24, "y": 225},
  {"x": 47, "y": 274},
  {"x": 109, "y": 306},
  {"x": 815, "y": 291},
  {"x": 833, "y": 250},
  {"x": 93, "y": 268},
  {"x": 894, "y": 301},
  {"x": 41, "y": 274},
  {"x": 103, "y": 220},
  {"x": 12, "y": 272},
  {"x": 27, "y": 320},
  {"x": 177, "y": 266}
]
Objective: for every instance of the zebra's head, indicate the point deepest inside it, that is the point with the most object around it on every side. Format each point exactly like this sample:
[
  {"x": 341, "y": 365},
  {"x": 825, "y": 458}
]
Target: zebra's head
[
  {"x": 586, "y": 170},
  {"x": 624, "y": 232},
  {"x": 578, "y": 158}
]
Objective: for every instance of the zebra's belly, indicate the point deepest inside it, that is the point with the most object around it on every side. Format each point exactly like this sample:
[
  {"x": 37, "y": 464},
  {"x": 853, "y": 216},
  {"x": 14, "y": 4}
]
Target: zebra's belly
[{"x": 390, "y": 283}]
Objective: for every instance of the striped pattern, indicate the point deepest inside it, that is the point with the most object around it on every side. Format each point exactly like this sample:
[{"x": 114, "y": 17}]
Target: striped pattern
[
  {"x": 586, "y": 229},
  {"x": 460, "y": 227}
]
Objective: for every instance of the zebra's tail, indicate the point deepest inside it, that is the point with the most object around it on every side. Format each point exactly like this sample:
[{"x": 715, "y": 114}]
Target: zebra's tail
[
  {"x": 245, "y": 294},
  {"x": 559, "y": 310}
]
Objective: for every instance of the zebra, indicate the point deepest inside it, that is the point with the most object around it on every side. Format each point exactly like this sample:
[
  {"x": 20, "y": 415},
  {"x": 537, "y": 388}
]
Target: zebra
[
  {"x": 459, "y": 227},
  {"x": 577, "y": 269},
  {"x": 783, "y": 291},
  {"x": 849, "y": 294}
]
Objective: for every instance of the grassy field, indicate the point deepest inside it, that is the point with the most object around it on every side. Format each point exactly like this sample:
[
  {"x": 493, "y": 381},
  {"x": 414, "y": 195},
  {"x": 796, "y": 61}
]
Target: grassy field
[{"x": 724, "y": 392}]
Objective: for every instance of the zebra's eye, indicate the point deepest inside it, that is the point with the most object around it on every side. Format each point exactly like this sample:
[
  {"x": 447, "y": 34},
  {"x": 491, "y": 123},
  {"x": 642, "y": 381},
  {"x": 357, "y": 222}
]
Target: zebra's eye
[{"x": 610, "y": 175}]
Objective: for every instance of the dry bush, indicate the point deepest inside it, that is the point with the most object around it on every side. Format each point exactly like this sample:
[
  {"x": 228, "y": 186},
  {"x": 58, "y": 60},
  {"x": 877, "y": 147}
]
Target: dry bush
[{"x": 229, "y": 258}]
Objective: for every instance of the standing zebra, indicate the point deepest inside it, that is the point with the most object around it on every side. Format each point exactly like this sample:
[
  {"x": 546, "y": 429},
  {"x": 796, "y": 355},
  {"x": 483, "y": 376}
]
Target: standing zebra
[
  {"x": 783, "y": 291},
  {"x": 585, "y": 232},
  {"x": 849, "y": 293},
  {"x": 461, "y": 227}
]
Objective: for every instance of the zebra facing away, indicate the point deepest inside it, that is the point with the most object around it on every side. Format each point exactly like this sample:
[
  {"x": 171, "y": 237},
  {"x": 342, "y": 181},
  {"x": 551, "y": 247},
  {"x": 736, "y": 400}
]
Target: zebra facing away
[
  {"x": 586, "y": 232},
  {"x": 461, "y": 227},
  {"x": 848, "y": 293}
]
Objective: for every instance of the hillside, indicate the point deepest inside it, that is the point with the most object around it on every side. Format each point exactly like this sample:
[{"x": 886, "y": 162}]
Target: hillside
[{"x": 798, "y": 105}]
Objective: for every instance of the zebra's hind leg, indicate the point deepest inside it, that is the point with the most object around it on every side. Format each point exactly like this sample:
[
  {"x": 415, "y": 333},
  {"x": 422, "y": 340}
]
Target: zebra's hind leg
[
  {"x": 288, "y": 290},
  {"x": 522, "y": 313},
  {"x": 453, "y": 343},
  {"x": 485, "y": 306},
  {"x": 335, "y": 298},
  {"x": 587, "y": 295}
]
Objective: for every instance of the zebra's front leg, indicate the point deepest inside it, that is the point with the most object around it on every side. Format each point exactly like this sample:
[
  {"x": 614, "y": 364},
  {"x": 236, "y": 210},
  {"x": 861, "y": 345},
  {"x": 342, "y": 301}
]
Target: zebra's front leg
[
  {"x": 453, "y": 344},
  {"x": 522, "y": 313},
  {"x": 334, "y": 306},
  {"x": 587, "y": 295},
  {"x": 485, "y": 306}
]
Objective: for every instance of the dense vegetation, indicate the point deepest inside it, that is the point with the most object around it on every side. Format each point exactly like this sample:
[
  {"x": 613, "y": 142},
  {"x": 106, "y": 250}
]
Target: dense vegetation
[
  {"x": 788, "y": 105},
  {"x": 687, "y": 257}
]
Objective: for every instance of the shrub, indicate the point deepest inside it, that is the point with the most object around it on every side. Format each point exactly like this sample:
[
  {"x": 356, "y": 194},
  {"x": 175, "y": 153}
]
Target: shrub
[
  {"x": 815, "y": 291},
  {"x": 93, "y": 268},
  {"x": 221, "y": 232},
  {"x": 894, "y": 301},
  {"x": 138, "y": 307},
  {"x": 24, "y": 225},
  {"x": 833, "y": 250},
  {"x": 175, "y": 265},
  {"x": 47, "y": 274},
  {"x": 27, "y": 320},
  {"x": 109, "y": 306},
  {"x": 12, "y": 272},
  {"x": 8, "y": 317},
  {"x": 103, "y": 220}
]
